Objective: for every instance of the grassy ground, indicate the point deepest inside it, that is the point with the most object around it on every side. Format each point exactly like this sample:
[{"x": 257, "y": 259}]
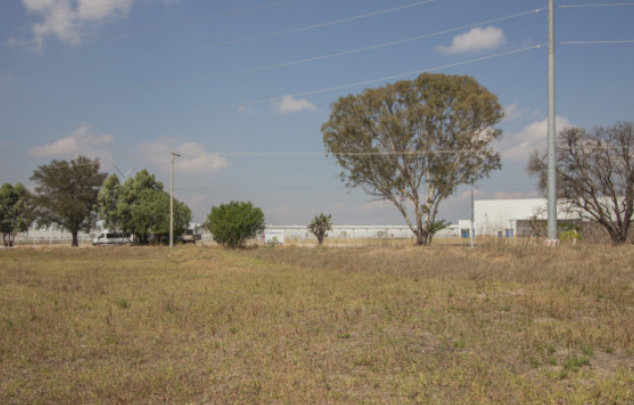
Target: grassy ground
[{"x": 495, "y": 324}]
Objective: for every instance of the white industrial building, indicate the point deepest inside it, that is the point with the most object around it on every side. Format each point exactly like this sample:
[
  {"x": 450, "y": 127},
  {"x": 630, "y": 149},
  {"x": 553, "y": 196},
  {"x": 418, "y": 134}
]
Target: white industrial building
[
  {"x": 504, "y": 218},
  {"x": 508, "y": 218},
  {"x": 290, "y": 233}
]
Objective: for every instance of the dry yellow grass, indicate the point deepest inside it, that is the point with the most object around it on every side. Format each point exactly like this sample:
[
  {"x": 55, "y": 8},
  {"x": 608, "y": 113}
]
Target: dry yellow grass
[{"x": 496, "y": 324}]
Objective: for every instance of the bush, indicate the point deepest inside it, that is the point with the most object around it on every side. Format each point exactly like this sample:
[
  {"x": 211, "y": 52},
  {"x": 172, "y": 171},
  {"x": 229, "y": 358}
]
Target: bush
[{"x": 234, "y": 223}]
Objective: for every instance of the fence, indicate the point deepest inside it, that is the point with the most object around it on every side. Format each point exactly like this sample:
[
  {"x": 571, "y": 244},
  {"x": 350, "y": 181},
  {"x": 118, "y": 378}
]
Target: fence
[{"x": 50, "y": 241}]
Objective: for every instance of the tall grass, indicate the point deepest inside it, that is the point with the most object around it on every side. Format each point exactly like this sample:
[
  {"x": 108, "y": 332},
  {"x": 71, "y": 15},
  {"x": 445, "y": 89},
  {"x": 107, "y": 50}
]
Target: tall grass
[{"x": 495, "y": 324}]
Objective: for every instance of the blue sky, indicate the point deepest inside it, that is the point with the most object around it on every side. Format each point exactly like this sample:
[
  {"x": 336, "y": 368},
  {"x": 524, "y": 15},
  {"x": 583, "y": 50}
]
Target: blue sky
[{"x": 241, "y": 88}]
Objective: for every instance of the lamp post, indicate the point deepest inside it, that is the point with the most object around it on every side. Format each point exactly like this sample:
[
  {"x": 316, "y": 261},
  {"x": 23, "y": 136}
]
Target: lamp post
[{"x": 172, "y": 155}]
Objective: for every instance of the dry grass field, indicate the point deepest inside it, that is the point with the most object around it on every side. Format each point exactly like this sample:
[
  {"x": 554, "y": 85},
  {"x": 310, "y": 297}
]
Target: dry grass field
[{"x": 373, "y": 325}]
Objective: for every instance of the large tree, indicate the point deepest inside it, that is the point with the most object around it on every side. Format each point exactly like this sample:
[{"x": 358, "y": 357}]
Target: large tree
[
  {"x": 141, "y": 206},
  {"x": 16, "y": 211},
  {"x": 66, "y": 194},
  {"x": 595, "y": 175},
  {"x": 108, "y": 199},
  {"x": 151, "y": 213},
  {"x": 415, "y": 141}
]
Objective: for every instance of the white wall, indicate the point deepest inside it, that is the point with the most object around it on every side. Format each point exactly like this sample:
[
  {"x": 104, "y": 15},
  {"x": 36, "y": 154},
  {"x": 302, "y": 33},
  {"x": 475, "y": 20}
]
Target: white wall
[{"x": 494, "y": 216}]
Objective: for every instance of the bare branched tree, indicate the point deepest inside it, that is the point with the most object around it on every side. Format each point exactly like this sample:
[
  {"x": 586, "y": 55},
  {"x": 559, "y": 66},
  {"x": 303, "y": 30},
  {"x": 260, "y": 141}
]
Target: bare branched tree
[{"x": 595, "y": 175}]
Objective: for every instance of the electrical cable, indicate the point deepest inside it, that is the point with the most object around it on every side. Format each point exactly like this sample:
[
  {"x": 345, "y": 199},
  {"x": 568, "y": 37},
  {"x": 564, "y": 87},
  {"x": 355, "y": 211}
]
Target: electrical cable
[
  {"x": 625, "y": 41},
  {"x": 306, "y": 93},
  {"x": 269, "y": 67},
  {"x": 596, "y": 5},
  {"x": 198, "y": 48},
  {"x": 291, "y": 31}
]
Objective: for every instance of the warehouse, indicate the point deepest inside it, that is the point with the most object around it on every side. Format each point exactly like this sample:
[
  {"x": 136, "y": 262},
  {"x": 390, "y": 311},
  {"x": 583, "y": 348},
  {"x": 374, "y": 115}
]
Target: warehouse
[{"x": 507, "y": 218}]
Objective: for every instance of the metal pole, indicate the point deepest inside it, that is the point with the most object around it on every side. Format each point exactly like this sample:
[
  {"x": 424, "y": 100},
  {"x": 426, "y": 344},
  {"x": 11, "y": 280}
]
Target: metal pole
[
  {"x": 472, "y": 231},
  {"x": 552, "y": 131},
  {"x": 172, "y": 154}
]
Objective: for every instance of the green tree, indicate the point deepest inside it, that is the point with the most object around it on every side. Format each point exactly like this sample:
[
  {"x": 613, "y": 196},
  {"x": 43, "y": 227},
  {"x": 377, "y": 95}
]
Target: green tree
[
  {"x": 234, "y": 223},
  {"x": 436, "y": 227},
  {"x": 595, "y": 175},
  {"x": 319, "y": 226},
  {"x": 108, "y": 200},
  {"x": 150, "y": 216},
  {"x": 415, "y": 141},
  {"x": 16, "y": 212},
  {"x": 141, "y": 207},
  {"x": 66, "y": 194}
]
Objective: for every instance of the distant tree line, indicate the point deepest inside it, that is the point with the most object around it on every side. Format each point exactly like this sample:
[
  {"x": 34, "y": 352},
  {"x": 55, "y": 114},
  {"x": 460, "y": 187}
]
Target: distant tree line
[
  {"x": 73, "y": 195},
  {"x": 412, "y": 143},
  {"x": 140, "y": 206}
]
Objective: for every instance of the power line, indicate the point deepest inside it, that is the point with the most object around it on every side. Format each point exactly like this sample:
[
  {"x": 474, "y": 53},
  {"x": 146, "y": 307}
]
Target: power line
[
  {"x": 596, "y": 5},
  {"x": 213, "y": 45},
  {"x": 270, "y": 35},
  {"x": 248, "y": 188},
  {"x": 395, "y": 153},
  {"x": 625, "y": 41},
  {"x": 269, "y": 67},
  {"x": 151, "y": 27},
  {"x": 306, "y": 93}
]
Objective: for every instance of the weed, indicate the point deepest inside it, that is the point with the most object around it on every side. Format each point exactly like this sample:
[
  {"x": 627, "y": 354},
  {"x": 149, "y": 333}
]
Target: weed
[
  {"x": 575, "y": 363},
  {"x": 123, "y": 303},
  {"x": 534, "y": 362},
  {"x": 496, "y": 324}
]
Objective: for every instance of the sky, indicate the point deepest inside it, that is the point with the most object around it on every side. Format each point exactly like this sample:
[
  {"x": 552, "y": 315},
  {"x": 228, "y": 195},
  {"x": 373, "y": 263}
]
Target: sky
[{"x": 240, "y": 89}]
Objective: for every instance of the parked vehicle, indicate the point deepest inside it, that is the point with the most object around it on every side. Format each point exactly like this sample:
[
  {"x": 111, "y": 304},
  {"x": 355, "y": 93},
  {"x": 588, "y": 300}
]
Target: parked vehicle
[
  {"x": 112, "y": 239},
  {"x": 190, "y": 236}
]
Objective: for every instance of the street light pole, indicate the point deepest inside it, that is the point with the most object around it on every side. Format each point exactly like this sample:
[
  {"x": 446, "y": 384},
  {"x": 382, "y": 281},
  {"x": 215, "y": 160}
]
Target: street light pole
[
  {"x": 472, "y": 230},
  {"x": 172, "y": 155}
]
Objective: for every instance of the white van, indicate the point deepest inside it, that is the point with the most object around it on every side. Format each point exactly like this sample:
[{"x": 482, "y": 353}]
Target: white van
[{"x": 111, "y": 239}]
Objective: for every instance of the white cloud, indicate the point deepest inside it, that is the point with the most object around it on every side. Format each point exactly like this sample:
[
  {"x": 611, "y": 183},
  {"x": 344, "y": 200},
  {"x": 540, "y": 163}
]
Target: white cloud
[
  {"x": 288, "y": 104},
  {"x": 377, "y": 205},
  {"x": 68, "y": 20},
  {"x": 80, "y": 142},
  {"x": 478, "y": 39},
  {"x": 514, "y": 111},
  {"x": 192, "y": 159},
  {"x": 518, "y": 146},
  {"x": 466, "y": 195}
]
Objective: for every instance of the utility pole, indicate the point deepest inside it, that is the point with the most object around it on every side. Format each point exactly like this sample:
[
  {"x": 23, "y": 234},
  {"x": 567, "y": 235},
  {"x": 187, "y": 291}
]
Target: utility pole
[
  {"x": 172, "y": 154},
  {"x": 472, "y": 230},
  {"x": 552, "y": 240}
]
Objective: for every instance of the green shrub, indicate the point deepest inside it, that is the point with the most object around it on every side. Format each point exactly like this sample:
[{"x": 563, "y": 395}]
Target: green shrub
[{"x": 234, "y": 223}]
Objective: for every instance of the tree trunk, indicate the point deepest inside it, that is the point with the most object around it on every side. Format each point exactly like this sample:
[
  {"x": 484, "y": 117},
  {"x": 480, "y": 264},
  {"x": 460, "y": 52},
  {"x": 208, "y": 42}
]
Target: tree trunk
[
  {"x": 619, "y": 237},
  {"x": 75, "y": 242},
  {"x": 421, "y": 237}
]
